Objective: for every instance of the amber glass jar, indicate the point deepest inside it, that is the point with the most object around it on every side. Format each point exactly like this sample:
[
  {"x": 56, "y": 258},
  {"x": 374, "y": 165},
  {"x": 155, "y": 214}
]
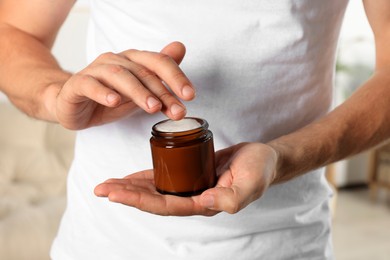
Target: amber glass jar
[{"x": 183, "y": 161}]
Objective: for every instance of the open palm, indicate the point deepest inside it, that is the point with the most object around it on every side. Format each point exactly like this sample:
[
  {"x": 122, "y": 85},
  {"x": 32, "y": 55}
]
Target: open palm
[{"x": 245, "y": 171}]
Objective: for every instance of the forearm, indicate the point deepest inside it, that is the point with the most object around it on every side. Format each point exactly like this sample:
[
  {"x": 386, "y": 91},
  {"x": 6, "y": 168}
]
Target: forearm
[
  {"x": 29, "y": 74},
  {"x": 358, "y": 124}
]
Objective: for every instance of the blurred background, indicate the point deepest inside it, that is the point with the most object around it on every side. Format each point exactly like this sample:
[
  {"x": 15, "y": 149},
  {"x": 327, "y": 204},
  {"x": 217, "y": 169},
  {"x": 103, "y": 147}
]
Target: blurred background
[
  {"x": 35, "y": 157},
  {"x": 361, "y": 204}
]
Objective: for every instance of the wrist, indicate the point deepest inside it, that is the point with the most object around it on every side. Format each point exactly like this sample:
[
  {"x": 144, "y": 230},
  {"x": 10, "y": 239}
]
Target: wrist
[
  {"x": 288, "y": 164},
  {"x": 49, "y": 97},
  {"x": 279, "y": 161}
]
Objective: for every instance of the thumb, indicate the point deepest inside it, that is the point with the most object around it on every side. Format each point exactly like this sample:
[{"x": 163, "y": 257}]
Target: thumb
[
  {"x": 222, "y": 199},
  {"x": 176, "y": 50}
]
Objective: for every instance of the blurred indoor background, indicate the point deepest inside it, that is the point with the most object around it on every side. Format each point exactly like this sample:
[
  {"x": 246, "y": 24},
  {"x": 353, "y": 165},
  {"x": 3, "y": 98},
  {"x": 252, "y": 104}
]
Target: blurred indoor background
[
  {"x": 361, "y": 203},
  {"x": 35, "y": 156}
]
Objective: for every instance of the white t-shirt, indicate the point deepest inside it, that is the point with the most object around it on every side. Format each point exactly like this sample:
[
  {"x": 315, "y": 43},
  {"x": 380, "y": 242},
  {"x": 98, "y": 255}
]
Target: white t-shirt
[{"x": 261, "y": 69}]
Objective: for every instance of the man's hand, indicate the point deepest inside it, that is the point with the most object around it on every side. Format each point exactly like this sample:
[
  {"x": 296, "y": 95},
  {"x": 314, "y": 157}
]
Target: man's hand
[
  {"x": 245, "y": 171},
  {"x": 115, "y": 85}
]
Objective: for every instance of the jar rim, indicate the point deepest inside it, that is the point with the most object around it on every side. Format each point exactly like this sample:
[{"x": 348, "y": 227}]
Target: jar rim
[{"x": 203, "y": 126}]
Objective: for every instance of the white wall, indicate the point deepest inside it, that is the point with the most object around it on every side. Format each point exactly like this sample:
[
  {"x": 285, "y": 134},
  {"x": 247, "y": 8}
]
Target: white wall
[
  {"x": 356, "y": 55},
  {"x": 69, "y": 47}
]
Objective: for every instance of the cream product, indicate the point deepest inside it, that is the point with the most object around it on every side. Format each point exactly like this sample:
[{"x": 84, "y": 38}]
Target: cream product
[{"x": 171, "y": 126}]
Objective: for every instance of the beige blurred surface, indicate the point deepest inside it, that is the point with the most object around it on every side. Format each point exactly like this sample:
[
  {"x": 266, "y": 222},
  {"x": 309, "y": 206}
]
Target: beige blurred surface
[
  {"x": 34, "y": 160},
  {"x": 361, "y": 226}
]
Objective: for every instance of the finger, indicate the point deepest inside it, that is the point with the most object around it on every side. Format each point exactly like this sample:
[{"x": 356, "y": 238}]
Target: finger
[
  {"x": 231, "y": 193},
  {"x": 166, "y": 69},
  {"x": 176, "y": 50},
  {"x": 84, "y": 87},
  {"x": 165, "y": 205},
  {"x": 103, "y": 189},
  {"x": 145, "y": 174},
  {"x": 226, "y": 199},
  {"x": 171, "y": 106},
  {"x": 140, "y": 85},
  {"x": 123, "y": 81},
  {"x": 138, "y": 190}
]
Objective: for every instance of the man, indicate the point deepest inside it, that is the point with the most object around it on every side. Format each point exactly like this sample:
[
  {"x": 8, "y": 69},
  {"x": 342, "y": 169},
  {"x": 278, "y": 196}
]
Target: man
[{"x": 262, "y": 72}]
